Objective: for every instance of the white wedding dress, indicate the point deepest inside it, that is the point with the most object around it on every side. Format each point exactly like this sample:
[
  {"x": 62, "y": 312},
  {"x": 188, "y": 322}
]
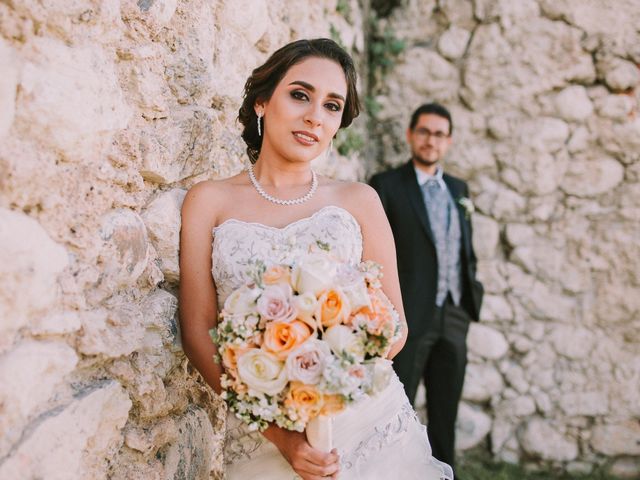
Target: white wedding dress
[{"x": 378, "y": 437}]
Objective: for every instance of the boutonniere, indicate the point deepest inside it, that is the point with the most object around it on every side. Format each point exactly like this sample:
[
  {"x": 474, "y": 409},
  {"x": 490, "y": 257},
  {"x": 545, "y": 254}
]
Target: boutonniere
[{"x": 468, "y": 206}]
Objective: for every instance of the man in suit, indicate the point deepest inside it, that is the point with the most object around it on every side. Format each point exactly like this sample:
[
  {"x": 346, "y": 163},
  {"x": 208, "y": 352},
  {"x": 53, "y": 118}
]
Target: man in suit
[{"x": 429, "y": 212}]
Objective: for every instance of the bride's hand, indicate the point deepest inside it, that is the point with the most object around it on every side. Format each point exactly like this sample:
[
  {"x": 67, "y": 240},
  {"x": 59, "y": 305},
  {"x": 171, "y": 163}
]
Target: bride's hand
[{"x": 306, "y": 461}]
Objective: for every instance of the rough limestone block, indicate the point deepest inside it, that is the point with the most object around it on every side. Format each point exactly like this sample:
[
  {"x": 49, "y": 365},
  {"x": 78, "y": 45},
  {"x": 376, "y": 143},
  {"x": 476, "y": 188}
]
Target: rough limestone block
[
  {"x": 495, "y": 308},
  {"x": 8, "y": 83},
  {"x": 626, "y": 468},
  {"x": 125, "y": 249},
  {"x": 617, "y": 439},
  {"x": 502, "y": 70},
  {"x": 616, "y": 107},
  {"x": 59, "y": 323},
  {"x": 572, "y": 342},
  {"x": 159, "y": 310},
  {"x": 541, "y": 440},
  {"x": 481, "y": 383},
  {"x": 70, "y": 99},
  {"x": 589, "y": 404},
  {"x": 76, "y": 22},
  {"x": 486, "y": 236},
  {"x": 620, "y": 75},
  {"x": 422, "y": 64},
  {"x": 573, "y": 104},
  {"x": 31, "y": 263},
  {"x": 48, "y": 363},
  {"x": 75, "y": 442},
  {"x": 487, "y": 342},
  {"x": 112, "y": 333},
  {"x": 154, "y": 14},
  {"x": 591, "y": 177},
  {"x": 178, "y": 147},
  {"x": 191, "y": 454},
  {"x": 162, "y": 219},
  {"x": 453, "y": 42},
  {"x": 471, "y": 155},
  {"x": 472, "y": 426}
]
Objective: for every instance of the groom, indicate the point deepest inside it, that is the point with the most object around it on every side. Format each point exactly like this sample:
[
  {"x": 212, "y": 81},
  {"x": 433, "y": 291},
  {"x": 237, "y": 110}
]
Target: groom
[{"x": 429, "y": 212}]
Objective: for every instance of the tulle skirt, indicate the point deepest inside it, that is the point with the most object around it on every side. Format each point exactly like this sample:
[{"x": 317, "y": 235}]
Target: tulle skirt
[{"x": 377, "y": 438}]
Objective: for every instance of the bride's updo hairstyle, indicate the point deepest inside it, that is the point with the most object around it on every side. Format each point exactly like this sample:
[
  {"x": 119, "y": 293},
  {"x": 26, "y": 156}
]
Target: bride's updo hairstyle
[{"x": 264, "y": 79}]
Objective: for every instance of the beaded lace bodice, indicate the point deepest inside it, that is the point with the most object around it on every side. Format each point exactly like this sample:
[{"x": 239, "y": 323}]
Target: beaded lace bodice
[{"x": 238, "y": 244}]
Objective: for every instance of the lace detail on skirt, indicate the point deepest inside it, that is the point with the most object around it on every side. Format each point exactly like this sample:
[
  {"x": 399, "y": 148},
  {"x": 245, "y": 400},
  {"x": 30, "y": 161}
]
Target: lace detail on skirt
[
  {"x": 381, "y": 436},
  {"x": 241, "y": 445}
]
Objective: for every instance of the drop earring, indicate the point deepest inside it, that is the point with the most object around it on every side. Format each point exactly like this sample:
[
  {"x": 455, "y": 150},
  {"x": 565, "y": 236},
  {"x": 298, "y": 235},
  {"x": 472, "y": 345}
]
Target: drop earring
[{"x": 259, "y": 126}]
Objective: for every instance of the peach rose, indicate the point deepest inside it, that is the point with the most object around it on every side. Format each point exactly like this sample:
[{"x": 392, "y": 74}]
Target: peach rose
[
  {"x": 281, "y": 338},
  {"x": 333, "y": 308},
  {"x": 230, "y": 357},
  {"x": 277, "y": 274},
  {"x": 332, "y": 404},
  {"x": 304, "y": 399},
  {"x": 379, "y": 317}
]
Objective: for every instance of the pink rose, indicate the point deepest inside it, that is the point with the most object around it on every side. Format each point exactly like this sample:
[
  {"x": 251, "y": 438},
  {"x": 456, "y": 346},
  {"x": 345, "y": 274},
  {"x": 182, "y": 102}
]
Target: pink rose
[
  {"x": 306, "y": 363},
  {"x": 276, "y": 304}
]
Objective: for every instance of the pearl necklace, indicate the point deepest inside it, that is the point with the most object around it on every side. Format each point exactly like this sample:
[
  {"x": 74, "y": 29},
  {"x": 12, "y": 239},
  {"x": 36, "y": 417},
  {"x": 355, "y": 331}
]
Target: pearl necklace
[{"x": 279, "y": 201}]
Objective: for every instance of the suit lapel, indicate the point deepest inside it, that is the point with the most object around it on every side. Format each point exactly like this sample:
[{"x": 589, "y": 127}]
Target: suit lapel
[
  {"x": 416, "y": 199},
  {"x": 462, "y": 214}
]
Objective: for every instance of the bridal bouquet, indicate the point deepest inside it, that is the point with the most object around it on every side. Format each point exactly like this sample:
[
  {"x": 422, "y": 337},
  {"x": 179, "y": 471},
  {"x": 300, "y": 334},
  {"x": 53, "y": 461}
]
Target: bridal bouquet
[{"x": 302, "y": 341}]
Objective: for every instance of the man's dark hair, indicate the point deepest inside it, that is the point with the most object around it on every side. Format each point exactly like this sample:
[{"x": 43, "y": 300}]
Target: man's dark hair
[
  {"x": 433, "y": 108},
  {"x": 264, "y": 79}
]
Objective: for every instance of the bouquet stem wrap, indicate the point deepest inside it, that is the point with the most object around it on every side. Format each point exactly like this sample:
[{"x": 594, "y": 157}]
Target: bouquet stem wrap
[{"x": 320, "y": 433}]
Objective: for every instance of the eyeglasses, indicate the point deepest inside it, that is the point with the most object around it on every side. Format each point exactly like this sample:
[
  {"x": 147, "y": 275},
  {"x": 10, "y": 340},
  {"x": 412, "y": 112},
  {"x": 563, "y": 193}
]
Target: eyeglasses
[{"x": 426, "y": 133}]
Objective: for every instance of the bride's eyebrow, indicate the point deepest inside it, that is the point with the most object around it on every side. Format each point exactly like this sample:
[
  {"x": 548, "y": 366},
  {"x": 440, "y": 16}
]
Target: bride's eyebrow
[{"x": 311, "y": 88}]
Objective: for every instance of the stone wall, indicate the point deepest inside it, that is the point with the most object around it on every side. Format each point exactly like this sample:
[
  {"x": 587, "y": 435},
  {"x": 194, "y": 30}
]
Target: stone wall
[
  {"x": 545, "y": 97},
  {"x": 109, "y": 110}
]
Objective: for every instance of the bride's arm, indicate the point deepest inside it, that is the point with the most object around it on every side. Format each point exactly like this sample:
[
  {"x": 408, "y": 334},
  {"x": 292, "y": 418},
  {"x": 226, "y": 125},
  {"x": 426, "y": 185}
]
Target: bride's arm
[
  {"x": 198, "y": 306},
  {"x": 379, "y": 246}
]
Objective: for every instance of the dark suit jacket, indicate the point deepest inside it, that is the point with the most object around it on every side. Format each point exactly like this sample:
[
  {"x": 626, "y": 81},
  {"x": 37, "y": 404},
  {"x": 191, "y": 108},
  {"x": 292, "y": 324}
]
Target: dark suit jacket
[{"x": 415, "y": 246}]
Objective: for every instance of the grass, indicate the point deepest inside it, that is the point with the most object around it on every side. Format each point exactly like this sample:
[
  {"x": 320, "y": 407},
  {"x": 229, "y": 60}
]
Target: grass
[{"x": 478, "y": 466}]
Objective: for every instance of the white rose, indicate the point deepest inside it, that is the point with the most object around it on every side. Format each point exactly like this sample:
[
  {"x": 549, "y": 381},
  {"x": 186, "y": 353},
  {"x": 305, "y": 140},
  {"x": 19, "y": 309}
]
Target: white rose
[
  {"x": 306, "y": 363},
  {"x": 358, "y": 295},
  {"x": 382, "y": 369},
  {"x": 306, "y": 305},
  {"x": 262, "y": 371},
  {"x": 313, "y": 273},
  {"x": 342, "y": 339},
  {"x": 241, "y": 301}
]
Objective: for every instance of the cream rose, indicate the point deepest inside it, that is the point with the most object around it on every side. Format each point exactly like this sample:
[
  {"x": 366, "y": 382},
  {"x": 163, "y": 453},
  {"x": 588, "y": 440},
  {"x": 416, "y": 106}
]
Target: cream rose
[
  {"x": 341, "y": 339},
  {"x": 306, "y": 363},
  {"x": 241, "y": 302},
  {"x": 277, "y": 274},
  {"x": 262, "y": 371},
  {"x": 381, "y": 371},
  {"x": 306, "y": 305},
  {"x": 313, "y": 273},
  {"x": 275, "y": 303}
]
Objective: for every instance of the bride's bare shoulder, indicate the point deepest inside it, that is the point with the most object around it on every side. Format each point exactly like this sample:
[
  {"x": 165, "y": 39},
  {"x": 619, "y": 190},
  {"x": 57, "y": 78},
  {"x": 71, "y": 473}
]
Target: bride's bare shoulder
[
  {"x": 356, "y": 195},
  {"x": 361, "y": 200},
  {"x": 207, "y": 198}
]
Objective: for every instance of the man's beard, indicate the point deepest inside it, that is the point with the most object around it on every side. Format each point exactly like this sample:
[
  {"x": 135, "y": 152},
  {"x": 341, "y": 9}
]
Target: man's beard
[{"x": 424, "y": 161}]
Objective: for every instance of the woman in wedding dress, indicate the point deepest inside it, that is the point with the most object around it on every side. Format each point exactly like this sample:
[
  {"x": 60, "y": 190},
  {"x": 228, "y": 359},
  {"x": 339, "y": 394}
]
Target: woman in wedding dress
[{"x": 293, "y": 106}]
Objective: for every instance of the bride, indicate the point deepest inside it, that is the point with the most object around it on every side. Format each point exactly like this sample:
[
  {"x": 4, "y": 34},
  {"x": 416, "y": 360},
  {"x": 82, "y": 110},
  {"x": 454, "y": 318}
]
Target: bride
[{"x": 293, "y": 106}]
